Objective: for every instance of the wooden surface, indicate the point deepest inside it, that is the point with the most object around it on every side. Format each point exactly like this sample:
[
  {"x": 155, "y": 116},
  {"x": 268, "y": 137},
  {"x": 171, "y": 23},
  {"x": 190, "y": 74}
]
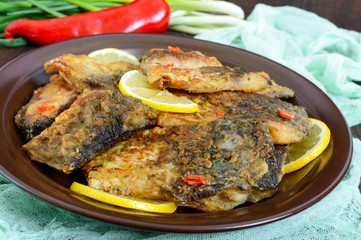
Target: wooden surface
[{"x": 343, "y": 13}]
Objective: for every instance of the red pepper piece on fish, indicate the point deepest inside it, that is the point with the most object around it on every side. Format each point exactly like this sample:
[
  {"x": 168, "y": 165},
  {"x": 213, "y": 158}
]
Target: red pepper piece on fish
[
  {"x": 45, "y": 107},
  {"x": 287, "y": 115},
  {"x": 220, "y": 114},
  {"x": 194, "y": 180},
  {"x": 174, "y": 49}
]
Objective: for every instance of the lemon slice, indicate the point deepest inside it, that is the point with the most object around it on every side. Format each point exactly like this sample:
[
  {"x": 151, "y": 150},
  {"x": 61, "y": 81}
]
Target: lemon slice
[
  {"x": 111, "y": 207},
  {"x": 111, "y": 55},
  {"x": 135, "y": 84},
  {"x": 303, "y": 152},
  {"x": 122, "y": 201}
]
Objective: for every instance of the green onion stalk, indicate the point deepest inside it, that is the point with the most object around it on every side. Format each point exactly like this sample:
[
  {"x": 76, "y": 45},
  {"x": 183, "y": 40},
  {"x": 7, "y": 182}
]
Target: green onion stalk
[{"x": 188, "y": 16}]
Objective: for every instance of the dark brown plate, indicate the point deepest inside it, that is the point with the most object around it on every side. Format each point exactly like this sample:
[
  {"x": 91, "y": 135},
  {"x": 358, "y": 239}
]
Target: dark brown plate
[{"x": 298, "y": 191}]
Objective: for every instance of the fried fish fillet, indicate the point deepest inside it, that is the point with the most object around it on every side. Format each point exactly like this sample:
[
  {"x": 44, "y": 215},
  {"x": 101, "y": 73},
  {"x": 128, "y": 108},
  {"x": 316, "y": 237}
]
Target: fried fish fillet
[
  {"x": 84, "y": 73},
  {"x": 275, "y": 90},
  {"x": 93, "y": 123},
  {"x": 74, "y": 75},
  {"x": 206, "y": 79},
  {"x": 236, "y": 157},
  {"x": 248, "y": 106},
  {"x": 180, "y": 59},
  {"x": 31, "y": 119}
]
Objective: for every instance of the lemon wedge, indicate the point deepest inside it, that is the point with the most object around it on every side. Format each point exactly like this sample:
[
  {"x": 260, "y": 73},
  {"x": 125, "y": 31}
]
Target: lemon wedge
[
  {"x": 122, "y": 201},
  {"x": 135, "y": 84},
  {"x": 111, "y": 55},
  {"x": 304, "y": 152}
]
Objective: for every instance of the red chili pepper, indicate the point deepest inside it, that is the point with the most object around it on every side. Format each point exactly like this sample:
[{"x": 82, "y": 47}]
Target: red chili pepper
[
  {"x": 220, "y": 113},
  {"x": 138, "y": 16},
  {"x": 170, "y": 65},
  {"x": 194, "y": 180},
  {"x": 174, "y": 49},
  {"x": 286, "y": 115},
  {"x": 45, "y": 107}
]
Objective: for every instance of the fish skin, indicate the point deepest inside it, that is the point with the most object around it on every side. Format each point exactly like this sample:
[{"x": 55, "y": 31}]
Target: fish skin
[
  {"x": 205, "y": 79},
  {"x": 275, "y": 90},
  {"x": 182, "y": 63},
  {"x": 94, "y": 122},
  {"x": 191, "y": 59},
  {"x": 248, "y": 106},
  {"x": 84, "y": 73},
  {"x": 236, "y": 157},
  {"x": 57, "y": 93},
  {"x": 72, "y": 75}
]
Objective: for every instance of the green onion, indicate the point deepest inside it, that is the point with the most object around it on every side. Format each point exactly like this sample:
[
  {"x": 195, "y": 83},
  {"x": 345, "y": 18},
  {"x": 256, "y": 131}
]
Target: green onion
[
  {"x": 46, "y": 9},
  {"x": 37, "y": 11},
  {"x": 6, "y": 5},
  {"x": 11, "y": 18},
  {"x": 224, "y": 7},
  {"x": 193, "y": 30},
  {"x": 195, "y": 17},
  {"x": 189, "y": 16},
  {"x": 198, "y": 20},
  {"x": 112, "y": 1},
  {"x": 16, "y": 42},
  {"x": 84, "y": 5}
]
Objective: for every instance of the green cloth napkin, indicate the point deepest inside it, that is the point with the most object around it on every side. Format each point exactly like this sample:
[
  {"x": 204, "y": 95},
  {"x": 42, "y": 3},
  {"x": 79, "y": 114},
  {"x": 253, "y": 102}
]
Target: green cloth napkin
[{"x": 328, "y": 56}]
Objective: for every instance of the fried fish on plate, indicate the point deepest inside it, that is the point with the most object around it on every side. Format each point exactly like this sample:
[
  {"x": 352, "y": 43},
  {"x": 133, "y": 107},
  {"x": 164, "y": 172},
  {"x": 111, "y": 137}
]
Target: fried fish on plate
[
  {"x": 245, "y": 105},
  {"x": 84, "y": 73},
  {"x": 94, "y": 122},
  {"x": 205, "y": 79},
  {"x": 72, "y": 75},
  {"x": 179, "y": 59},
  {"x": 195, "y": 72},
  {"x": 236, "y": 159},
  {"x": 46, "y": 103},
  {"x": 214, "y": 79}
]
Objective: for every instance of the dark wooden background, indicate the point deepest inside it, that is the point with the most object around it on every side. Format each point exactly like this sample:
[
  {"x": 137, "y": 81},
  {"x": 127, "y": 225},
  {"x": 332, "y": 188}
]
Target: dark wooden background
[{"x": 343, "y": 13}]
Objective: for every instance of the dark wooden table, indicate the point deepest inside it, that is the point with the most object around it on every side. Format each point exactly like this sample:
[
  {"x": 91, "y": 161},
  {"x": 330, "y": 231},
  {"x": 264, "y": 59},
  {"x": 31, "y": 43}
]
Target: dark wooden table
[{"x": 341, "y": 12}]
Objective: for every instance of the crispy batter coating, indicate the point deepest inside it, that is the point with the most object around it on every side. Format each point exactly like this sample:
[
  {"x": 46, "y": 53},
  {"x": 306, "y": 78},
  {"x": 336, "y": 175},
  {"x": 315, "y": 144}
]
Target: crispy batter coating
[
  {"x": 248, "y": 106},
  {"x": 205, "y": 79},
  {"x": 57, "y": 93},
  {"x": 236, "y": 157},
  {"x": 84, "y": 73},
  {"x": 94, "y": 122},
  {"x": 191, "y": 59}
]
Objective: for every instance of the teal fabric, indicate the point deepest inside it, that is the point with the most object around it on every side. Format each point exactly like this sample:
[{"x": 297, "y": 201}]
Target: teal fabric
[{"x": 326, "y": 55}]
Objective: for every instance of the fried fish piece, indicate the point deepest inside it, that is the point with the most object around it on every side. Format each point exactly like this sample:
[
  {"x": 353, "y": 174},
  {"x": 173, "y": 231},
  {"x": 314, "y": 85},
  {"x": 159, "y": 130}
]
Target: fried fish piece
[
  {"x": 275, "y": 90},
  {"x": 84, "y": 73},
  {"x": 179, "y": 59},
  {"x": 205, "y": 79},
  {"x": 246, "y": 105},
  {"x": 94, "y": 122},
  {"x": 46, "y": 103},
  {"x": 236, "y": 158}
]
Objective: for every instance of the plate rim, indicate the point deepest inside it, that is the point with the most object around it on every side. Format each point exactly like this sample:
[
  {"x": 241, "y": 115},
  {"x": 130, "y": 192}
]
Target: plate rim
[{"x": 158, "y": 226}]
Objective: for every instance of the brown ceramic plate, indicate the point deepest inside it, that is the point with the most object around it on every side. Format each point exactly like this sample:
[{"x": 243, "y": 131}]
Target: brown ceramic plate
[{"x": 298, "y": 191}]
